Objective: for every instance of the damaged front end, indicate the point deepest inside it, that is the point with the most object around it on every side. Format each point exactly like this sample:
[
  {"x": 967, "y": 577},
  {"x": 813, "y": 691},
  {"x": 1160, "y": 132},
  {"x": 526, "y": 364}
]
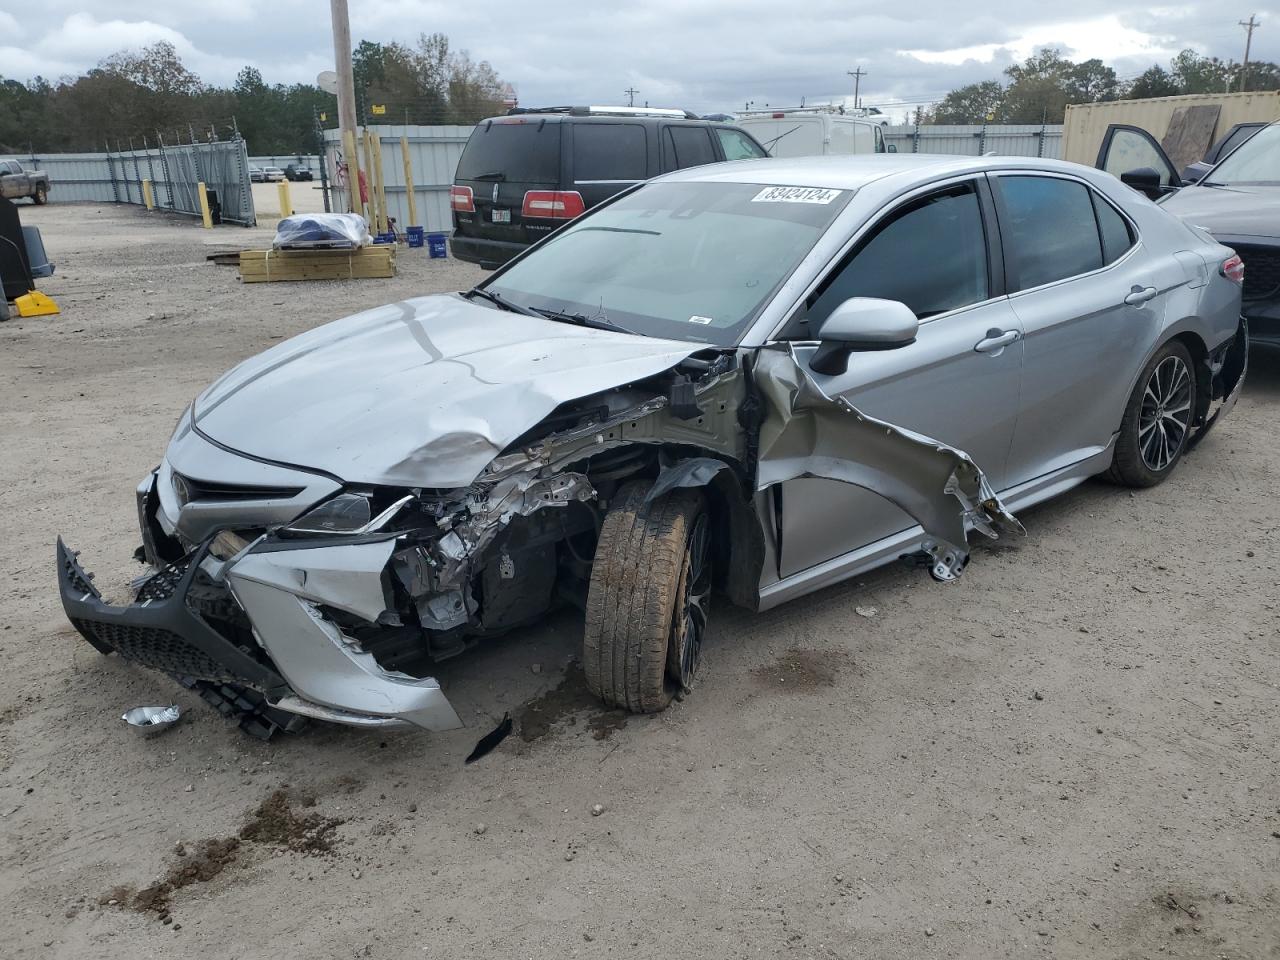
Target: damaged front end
[{"x": 302, "y": 596}]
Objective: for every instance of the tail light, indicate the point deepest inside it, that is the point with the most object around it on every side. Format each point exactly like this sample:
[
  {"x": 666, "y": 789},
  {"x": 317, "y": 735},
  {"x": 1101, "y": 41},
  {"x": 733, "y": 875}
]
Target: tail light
[
  {"x": 779, "y": 116},
  {"x": 553, "y": 204},
  {"x": 1233, "y": 269},
  {"x": 462, "y": 199}
]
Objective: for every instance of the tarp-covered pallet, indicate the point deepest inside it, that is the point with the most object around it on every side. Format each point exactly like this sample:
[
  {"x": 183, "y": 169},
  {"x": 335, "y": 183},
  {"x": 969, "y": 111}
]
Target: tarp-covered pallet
[{"x": 263, "y": 266}]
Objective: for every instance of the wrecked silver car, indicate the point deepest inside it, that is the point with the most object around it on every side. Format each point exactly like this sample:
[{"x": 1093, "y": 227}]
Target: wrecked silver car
[{"x": 728, "y": 380}]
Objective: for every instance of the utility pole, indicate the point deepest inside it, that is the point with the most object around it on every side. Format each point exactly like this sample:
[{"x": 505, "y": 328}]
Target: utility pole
[
  {"x": 1249, "y": 26},
  {"x": 346, "y": 98},
  {"x": 857, "y": 83},
  {"x": 631, "y": 96}
]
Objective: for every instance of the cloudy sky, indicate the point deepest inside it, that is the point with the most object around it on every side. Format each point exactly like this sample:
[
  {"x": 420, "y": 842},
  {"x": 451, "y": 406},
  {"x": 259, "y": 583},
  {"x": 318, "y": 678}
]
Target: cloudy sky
[{"x": 701, "y": 54}]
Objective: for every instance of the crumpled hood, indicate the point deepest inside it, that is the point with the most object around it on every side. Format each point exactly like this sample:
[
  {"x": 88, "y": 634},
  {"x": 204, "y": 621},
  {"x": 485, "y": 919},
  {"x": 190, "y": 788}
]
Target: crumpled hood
[
  {"x": 1229, "y": 211},
  {"x": 423, "y": 393}
]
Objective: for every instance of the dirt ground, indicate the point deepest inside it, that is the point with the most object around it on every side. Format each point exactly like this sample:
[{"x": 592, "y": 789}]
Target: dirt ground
[{"x": 1072, "y": 752}]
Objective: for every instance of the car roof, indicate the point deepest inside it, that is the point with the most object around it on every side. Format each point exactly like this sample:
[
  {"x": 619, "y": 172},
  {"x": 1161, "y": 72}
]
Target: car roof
[{"x": 853, "y": 172}]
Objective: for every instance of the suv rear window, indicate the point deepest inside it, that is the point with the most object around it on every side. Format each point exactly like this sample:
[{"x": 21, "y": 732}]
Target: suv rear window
[
  {"x": 609, "y": 151},
  {"x": 522, "y": 152}
]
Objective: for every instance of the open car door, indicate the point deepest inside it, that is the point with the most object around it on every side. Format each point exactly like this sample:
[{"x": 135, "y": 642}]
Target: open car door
[{"x": 1136, "y": 157}]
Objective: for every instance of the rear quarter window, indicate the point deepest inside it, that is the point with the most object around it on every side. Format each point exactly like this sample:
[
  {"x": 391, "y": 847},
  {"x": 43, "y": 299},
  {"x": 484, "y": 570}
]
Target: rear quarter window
[
  {"x": 520, "y": 152},
  {"x": 609, "y": 151}
]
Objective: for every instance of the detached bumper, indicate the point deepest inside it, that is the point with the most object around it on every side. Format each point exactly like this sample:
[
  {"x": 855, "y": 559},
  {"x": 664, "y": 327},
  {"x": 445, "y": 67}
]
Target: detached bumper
[{"x": 254, "y": 626}]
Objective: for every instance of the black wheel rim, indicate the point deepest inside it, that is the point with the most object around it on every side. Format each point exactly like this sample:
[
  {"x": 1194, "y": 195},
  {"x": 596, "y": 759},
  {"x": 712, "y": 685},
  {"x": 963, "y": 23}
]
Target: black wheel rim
[
  {"x": 1166, "y": 413},
  {"x": 692, "y": 619}
]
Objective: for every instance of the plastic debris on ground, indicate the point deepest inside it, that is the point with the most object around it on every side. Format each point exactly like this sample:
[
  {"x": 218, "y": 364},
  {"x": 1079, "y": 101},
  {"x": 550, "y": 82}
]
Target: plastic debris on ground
[
  {"x": 152, "y": 718},
  {"x": 322, "y": 231}
]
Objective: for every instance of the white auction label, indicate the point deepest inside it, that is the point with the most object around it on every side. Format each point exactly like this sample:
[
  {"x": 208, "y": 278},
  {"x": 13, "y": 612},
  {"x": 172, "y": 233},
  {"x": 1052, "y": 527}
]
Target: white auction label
[{"x": 795, "y": 195}]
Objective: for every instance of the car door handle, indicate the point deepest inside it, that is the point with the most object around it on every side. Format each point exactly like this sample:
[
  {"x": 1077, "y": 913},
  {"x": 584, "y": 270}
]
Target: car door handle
[
  {"x": 996, "y": 340},
  {"x": 1140, "y": 295}
]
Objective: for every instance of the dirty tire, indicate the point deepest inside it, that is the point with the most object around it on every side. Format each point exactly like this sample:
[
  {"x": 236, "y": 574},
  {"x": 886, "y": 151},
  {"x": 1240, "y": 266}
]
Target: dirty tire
[
  {"x": 632, "y": 603},
  {"x": 1135, "y": 465},
  {"x": 40, "y": 196}
]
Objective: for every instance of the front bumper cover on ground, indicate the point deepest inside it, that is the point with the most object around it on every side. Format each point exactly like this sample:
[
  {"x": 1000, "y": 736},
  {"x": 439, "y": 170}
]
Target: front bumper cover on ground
[{"x": 302, "y": 665}]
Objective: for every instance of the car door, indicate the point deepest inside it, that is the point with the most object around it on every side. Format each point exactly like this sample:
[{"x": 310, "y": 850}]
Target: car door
[
  {"x": 607, "y": 156},
  {"x": 1090, "y": 298},
  {"x": 686, "y": 145},
  {"x": 1127, "y": 149},
  {"x": 958, "y": 382}
]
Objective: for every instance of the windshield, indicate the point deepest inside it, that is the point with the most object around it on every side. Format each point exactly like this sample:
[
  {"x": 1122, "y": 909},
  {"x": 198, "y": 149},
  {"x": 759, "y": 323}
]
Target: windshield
[
  {"x": 1256, "y": 162},
  {"x": 687, "y": 261}
]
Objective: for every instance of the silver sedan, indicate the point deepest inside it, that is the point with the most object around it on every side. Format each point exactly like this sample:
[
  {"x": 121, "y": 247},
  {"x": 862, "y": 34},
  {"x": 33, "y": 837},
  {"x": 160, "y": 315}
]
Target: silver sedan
[{"x": 751, "y": 379}]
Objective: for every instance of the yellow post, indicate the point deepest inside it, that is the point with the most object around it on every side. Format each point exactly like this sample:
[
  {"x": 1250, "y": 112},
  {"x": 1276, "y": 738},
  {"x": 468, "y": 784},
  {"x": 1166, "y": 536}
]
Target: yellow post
[
  {"x": 353, "y": 170},
  {"x": 205, "y": 215},
  {"x": 147, "y": 196},
  {"x": 372, "y": 212},
  {"x": 286, "y": 207},
  {"x": 380, "y": 184},
  {"x": 408, "y": 182}
]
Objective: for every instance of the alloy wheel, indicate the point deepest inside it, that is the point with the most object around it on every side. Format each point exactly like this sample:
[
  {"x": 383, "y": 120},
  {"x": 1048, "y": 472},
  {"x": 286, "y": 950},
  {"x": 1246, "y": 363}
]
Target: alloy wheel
[
  {"x": 690, "y": 625},
  {"x": 1165, "y": 417}
]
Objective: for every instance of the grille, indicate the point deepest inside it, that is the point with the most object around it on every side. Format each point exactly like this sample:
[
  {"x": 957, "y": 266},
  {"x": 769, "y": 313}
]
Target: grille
[
  {"x": 156, "y": 648},
  {"x": 1261, "y": 272},
  {"x": 190, "y": 489},
  {"x": 164, "y": 584}
]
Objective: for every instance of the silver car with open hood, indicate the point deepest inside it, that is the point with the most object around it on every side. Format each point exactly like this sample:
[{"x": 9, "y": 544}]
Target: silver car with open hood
[{"x": 751, "y": 380}]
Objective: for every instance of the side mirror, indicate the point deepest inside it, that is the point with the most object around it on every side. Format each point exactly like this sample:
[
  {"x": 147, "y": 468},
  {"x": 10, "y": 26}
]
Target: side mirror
[
  {"x": 892, "y": 148},
  {"x": 1145, "y": 180},
  {"x": 862, "y": 323}
]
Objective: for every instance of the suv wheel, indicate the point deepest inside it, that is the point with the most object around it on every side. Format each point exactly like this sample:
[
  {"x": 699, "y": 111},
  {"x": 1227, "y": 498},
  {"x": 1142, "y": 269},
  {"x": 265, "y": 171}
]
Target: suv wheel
[
  {"x": 41, "y": 195},
  {"x": 647, "y": 603}
]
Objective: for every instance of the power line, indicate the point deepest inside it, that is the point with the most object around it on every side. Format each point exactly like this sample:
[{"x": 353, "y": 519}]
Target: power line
[{"x": 631, "y": 96}]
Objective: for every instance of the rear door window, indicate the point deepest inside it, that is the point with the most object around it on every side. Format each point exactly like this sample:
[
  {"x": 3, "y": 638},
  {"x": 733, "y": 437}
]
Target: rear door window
[
  {"x": 737, "y": 145},
  {"x": 609, "y": 152},
  {"x": 688, "y": 147},
  {"x": 521, "y": 151},
  {"x": 1048, "y": 228}
]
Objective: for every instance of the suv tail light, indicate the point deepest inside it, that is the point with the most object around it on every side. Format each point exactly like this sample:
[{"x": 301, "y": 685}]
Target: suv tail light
[
  {"x": 553, "y": 204},
  {"x": 462, "y": 199},
  {"x": 1233, "y": 269}
]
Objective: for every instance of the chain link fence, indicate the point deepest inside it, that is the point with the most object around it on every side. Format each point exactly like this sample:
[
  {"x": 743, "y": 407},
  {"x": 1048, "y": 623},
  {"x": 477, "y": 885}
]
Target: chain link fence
[{"x": 174, "y": 171}]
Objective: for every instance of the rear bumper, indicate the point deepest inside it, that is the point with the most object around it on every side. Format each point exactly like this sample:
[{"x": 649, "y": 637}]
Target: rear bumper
[
  {"x": 486, "y": 253},
  {"x": 255, "y": 622}
]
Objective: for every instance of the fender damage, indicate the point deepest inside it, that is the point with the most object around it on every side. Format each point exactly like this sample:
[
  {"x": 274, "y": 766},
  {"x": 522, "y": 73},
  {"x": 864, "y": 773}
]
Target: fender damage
[{"x": 341, "y": 612}]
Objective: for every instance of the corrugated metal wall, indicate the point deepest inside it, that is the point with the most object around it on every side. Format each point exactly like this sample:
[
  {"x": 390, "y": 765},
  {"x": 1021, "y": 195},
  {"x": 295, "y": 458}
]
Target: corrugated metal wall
[
  {"x": 174, "y": 172},
  {"x": 974, "y": 140},
  {"x": 434, "y": 153},
  {"x": 1087, "y": 122}
]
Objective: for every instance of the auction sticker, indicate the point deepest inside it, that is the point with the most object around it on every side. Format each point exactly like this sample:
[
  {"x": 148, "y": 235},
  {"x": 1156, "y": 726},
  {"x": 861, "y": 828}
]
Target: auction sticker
[{"x": 795, "y": 195}]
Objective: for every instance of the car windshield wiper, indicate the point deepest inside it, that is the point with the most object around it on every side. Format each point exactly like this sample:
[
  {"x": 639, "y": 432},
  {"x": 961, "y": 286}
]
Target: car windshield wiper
[
  {"x": 582, "y": 320},
  {"x": 494, "y": 175},
  {"x": 774, "y": 142},
  {"x": 500, "y": 302}
]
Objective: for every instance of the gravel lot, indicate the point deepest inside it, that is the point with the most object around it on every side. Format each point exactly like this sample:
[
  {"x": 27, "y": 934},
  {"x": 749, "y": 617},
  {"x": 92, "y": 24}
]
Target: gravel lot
[{"x": 1071, "y": 753}]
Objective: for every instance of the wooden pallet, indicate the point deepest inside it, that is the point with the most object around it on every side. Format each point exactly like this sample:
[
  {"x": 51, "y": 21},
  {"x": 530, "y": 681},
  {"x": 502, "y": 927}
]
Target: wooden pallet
[{"x": 266, "y": 266}]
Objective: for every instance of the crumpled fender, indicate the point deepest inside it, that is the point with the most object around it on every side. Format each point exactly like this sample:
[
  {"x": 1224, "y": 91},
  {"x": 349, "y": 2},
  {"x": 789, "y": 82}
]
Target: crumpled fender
[{"x": 806, "y": 433}]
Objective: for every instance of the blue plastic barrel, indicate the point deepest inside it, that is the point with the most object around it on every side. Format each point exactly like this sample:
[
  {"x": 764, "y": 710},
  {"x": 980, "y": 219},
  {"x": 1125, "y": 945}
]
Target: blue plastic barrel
[
  {"x": 416, "y": 236},
  {"x": 436, "y": 246}
]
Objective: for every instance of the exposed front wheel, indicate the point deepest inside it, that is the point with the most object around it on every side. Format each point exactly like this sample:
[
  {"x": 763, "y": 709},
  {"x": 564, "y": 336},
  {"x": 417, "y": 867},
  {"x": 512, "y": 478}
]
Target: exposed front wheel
[
  {"x": 647, "y": 604},
  {"x": 41, "y": 195},
  {"x": 1157, "y": 420}
]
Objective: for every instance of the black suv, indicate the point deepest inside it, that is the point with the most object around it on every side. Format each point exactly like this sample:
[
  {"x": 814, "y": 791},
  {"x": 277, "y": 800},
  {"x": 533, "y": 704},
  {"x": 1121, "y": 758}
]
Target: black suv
[{"x": 524, "y": 174}]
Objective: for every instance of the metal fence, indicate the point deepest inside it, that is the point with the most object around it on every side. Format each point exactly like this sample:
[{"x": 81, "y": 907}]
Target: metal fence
[
  {"x": 174, "y": 172},
  {"x": 433, "y": 154},
  {"x": 974, "y": 140}
]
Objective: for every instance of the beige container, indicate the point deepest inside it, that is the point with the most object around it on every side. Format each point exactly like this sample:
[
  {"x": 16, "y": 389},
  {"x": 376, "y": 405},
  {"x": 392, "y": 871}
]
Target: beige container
[{"x": 1087, "y": 122}]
